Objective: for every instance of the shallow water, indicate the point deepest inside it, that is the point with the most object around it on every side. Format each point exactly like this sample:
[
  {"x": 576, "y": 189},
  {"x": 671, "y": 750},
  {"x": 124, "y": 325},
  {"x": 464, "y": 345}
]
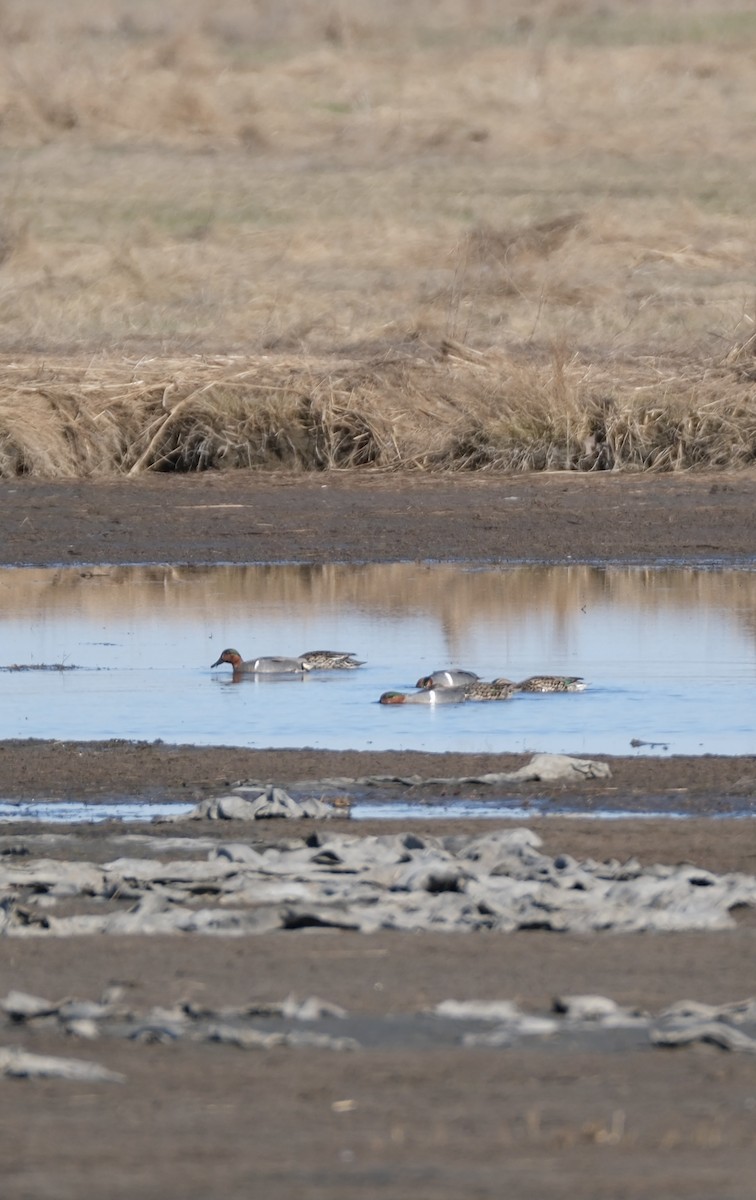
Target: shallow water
[
  {"x": 71, "y": 812},
  {"x": 669, "y": 655}
]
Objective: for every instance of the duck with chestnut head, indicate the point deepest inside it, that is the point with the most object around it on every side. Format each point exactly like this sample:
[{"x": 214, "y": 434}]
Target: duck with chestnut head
[
  {"x": 275, "y": 665},
  {"x": 311, "y": 660}
]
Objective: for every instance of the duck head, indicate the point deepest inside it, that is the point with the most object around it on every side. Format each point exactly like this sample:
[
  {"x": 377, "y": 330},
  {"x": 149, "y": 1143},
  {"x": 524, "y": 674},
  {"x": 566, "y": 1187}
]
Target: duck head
[{"x": 229, "y": 656}]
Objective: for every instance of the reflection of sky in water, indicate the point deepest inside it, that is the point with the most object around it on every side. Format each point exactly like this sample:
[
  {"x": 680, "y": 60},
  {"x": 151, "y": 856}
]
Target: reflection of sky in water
[{"x": 670, "y": 656}]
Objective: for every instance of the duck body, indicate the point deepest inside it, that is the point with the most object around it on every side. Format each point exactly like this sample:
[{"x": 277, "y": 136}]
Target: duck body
[
  {"x": 551, "y": 683},
  {"x": 275, "y": 665},
  {"x": 330, "y": 660},
  {"x": 498, "y": 689},
  {"x": 447, "y": 695},
  {"x": 447, "y": 679}
]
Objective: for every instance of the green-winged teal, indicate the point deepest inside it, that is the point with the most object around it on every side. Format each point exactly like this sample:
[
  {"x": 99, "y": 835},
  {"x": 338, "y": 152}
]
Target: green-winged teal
[
  {"x": 447, "y": 679},
  {"x": 499, "y": 689},
  {"x": 550, "y": 683},
  {"x": 330, "y": 660},
  {"x": 446, "y": 695},
  {"x": 311, "y": 660},
  {"x": 262, "y": 666}
]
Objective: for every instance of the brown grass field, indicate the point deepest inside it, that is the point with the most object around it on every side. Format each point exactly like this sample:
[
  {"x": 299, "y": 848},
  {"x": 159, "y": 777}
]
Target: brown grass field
[{"x": 430, "y": 235}]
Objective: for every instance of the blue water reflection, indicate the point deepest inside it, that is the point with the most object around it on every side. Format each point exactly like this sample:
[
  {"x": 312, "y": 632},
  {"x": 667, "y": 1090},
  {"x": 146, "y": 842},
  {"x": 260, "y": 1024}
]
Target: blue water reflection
[{"x": 669, "y": 654}]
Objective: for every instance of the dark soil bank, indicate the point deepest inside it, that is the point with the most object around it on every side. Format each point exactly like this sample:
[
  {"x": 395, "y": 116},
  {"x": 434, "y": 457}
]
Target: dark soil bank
[{"x": 245, "y": 518}]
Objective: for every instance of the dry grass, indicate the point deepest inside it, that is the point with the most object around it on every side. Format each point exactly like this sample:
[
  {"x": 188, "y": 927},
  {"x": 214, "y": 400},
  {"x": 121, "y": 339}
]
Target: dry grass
[
  {"x": 461, "y": 234},
  {"x": 495, "y": 413}
]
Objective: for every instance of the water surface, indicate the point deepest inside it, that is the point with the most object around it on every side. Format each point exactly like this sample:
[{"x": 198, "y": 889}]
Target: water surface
[{"x": 669, "y": 655}]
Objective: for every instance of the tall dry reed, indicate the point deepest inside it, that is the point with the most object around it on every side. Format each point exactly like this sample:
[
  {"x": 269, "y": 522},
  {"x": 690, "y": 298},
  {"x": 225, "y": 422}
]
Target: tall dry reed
[{"x": 492, "y": 413}]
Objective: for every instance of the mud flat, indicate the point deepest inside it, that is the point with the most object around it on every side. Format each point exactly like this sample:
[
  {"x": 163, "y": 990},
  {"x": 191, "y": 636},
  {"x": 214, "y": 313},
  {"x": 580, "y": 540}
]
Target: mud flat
[{"x": 318, "y": 1060}]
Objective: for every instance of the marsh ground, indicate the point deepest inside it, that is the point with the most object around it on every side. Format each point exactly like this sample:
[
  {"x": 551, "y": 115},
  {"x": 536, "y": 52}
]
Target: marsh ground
[{"x": 411, "y": 235}]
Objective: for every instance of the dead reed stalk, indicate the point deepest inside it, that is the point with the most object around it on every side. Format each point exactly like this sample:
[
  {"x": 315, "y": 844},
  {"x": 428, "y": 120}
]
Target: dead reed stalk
[{"x": 461, "y": 412}]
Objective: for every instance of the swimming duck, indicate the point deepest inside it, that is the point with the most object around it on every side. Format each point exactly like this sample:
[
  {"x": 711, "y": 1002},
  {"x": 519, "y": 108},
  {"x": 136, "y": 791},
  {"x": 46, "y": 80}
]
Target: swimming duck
[
  {"x": 446, "y": 695},
  {"x": 550, "y": 683},
  {"x": 330, "y": 660},
  {"x": 262, "y": 666},
  {"x": 499, "y": 689},
  {"x": 447, "y": 679}
]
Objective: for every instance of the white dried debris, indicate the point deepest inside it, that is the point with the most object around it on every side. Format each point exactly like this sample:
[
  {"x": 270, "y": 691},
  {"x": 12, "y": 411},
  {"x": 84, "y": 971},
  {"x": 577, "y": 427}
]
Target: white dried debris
[
  {"x": 16, "y": 1063},
  {"x": 500, "y": 881},
  {"x": 589, "y": 1020}
]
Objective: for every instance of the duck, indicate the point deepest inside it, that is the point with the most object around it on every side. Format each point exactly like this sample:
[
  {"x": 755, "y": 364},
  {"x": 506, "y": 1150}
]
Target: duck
[
  {"x": 498, "y": 689},
  {"x": 447, "y": 679},
  {"x": 261, "y": 666},
  {"x": 445, "y": 695},
  {"x": 330, "y": 660},
  {"x": 550, "y": 683}
]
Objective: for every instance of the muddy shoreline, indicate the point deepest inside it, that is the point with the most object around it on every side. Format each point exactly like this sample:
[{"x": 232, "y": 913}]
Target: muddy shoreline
[
  {"x": 247, "y": 517},
  {"x": 709, "y": 785}
]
